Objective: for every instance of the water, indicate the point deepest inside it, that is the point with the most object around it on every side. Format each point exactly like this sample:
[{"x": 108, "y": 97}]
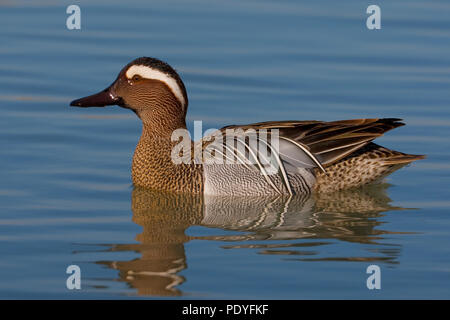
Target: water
[{"x": 65, "y": 190}]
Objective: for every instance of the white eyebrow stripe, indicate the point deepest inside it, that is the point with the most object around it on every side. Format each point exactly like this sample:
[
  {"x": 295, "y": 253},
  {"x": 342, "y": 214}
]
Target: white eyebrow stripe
[{"x": 150, "y": 73}]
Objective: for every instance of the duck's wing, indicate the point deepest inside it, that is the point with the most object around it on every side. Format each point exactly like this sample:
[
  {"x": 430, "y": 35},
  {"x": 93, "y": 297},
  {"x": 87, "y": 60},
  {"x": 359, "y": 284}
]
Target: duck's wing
[
  {"x": 328, "y": 142},
  {"x": 300, "y": 144}
]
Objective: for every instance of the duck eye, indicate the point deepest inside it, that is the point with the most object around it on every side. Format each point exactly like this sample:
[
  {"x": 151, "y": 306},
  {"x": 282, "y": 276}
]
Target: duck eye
[{"x": 137, "y": 77}]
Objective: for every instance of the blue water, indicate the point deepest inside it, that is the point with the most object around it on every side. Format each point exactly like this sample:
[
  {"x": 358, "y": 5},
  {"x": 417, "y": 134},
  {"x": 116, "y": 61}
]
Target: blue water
[{"x": 65, "y": 190}]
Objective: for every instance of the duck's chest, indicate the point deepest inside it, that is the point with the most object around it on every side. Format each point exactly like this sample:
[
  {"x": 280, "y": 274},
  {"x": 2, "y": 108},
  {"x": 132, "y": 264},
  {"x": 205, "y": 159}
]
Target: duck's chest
[{"x": 153, "y": 168}]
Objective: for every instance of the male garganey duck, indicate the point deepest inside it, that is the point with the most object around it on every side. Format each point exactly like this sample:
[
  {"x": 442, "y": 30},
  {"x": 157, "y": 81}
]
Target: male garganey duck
[{"x": 305, "y": 157}]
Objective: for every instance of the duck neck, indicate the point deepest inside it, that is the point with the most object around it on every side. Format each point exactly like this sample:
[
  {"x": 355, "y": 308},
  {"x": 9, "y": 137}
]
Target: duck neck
[{"x": 152, "y": 162}]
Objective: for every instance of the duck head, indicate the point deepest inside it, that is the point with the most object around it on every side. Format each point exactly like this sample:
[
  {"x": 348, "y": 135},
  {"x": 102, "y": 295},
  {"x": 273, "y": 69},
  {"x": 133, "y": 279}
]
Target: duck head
[{"x": 148, "y": 86}]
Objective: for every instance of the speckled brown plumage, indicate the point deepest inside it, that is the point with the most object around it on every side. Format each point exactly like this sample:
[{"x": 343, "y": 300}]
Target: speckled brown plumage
[
  {"x": 152, "y": 163},
  {"x": 366, "y": 165},
  {"x": 153, "y": 167}
]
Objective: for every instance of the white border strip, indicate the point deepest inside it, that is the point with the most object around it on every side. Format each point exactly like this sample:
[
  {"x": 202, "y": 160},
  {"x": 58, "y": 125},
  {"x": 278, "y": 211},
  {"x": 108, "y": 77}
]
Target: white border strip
[{"x": 150, "y": 73}]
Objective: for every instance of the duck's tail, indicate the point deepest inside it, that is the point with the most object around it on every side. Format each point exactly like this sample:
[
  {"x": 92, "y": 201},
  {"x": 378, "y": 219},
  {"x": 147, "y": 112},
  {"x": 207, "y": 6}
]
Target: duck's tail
[
  {"x": 368, "y": 165},
  {"x": 402, "y": 158}
]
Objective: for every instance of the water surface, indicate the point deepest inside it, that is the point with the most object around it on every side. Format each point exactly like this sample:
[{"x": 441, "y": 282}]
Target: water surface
[{"x": 65, "y": 190}]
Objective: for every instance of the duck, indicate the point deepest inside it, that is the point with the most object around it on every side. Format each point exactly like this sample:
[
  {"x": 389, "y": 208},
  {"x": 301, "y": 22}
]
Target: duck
[{"x": 296, "y": 157}]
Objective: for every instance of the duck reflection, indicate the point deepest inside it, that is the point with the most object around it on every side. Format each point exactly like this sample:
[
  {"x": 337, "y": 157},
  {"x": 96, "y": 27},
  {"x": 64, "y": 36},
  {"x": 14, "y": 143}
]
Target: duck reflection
[{"x": 351, "y": 215}]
